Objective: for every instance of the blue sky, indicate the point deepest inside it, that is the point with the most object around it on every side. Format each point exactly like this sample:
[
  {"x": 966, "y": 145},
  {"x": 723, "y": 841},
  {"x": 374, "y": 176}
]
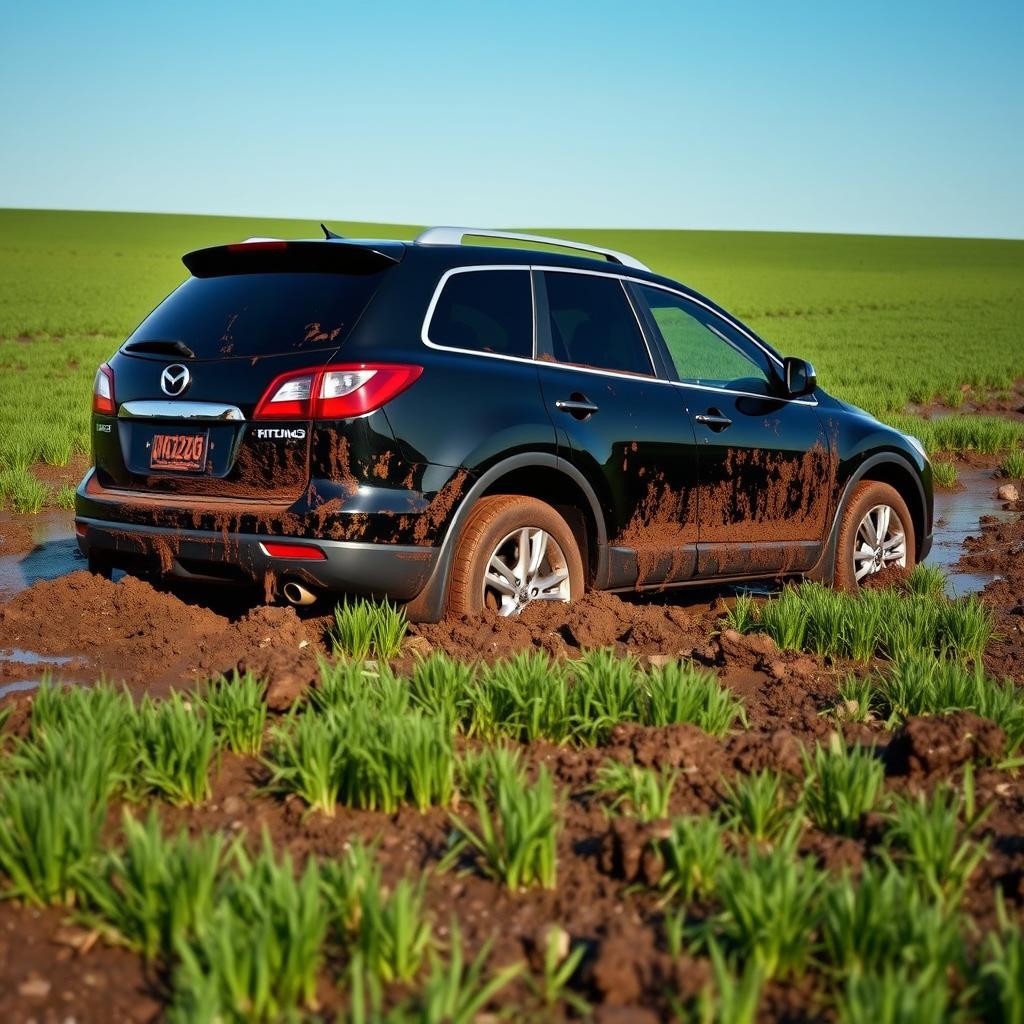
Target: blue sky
[{"x": 896, "y": 118}]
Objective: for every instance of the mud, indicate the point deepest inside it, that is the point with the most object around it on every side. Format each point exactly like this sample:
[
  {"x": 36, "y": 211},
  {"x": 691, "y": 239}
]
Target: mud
[
  {"x": 959, "y": 515},
  {"x": 759, "y": 496},
  {"x": 149, "y": 638},
  {"x": 15, "y": 535},
  {"x": 597, "y": 620},
  {"x": 271, "y": 471},
  {"x": 255, "y": 509},
  {"x": 156, "y": 640},
  {"x": 429, "y": 523},
  {"x": 766, "y": 495},
  {"x": 943, "y": 743},
  {"x": 34, "y": 548},
  {"x": 56, "y": 477},
  {"x": 996, "y": 551},
  {"x": 661, "y": 525}
]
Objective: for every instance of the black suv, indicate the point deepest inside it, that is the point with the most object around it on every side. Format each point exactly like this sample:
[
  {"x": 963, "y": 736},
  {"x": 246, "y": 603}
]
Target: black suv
[{"x": 460, "y": 427}]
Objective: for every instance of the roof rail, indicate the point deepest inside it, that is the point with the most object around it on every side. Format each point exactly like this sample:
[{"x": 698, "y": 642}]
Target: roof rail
[{"x": 454, "y": 236}]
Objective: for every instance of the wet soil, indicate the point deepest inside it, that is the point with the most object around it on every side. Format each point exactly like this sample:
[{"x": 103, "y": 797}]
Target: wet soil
[
  {"x": 151, "y": 638},
  {"x": 959, "y": 514},
  {"x": 56, "y": 477},
  {"x": 50, "y": 969},
  {"x": 34, "y": 548},
  {"x": 156, "y": 639},
  {"x": 597, "y": 620},
  {"x": 997, "y": 551}
]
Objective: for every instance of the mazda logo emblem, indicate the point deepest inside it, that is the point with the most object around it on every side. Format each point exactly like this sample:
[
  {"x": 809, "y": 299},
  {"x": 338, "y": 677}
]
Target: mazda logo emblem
[{"x": 175, "y": 379}]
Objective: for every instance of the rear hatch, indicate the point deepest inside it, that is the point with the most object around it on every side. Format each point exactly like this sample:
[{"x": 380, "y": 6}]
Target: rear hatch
[{"x": 212, "y": 389}]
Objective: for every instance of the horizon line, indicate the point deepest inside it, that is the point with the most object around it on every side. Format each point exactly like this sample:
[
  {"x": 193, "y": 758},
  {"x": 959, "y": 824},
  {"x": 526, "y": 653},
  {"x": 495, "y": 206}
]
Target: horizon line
[{"x": 534, "y": 228}]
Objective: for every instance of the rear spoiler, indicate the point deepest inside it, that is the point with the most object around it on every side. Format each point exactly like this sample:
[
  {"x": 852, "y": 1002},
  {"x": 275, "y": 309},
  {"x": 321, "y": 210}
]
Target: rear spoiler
[{"x": 275, "y": 255}]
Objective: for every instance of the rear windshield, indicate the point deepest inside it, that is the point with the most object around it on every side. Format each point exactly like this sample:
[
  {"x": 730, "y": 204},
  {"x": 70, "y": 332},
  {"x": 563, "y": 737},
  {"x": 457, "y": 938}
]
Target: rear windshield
[{"x": 259, "y": 314}]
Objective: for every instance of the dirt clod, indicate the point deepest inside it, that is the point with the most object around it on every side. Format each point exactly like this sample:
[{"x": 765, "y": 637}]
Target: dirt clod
[{"x": 942, "y": 743}]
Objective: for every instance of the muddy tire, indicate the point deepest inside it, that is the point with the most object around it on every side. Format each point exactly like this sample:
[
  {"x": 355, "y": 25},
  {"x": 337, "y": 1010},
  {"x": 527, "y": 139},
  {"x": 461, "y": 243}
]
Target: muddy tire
[
  {"x": 513, "y": 550},
  {"x": 876, "y": 532}
]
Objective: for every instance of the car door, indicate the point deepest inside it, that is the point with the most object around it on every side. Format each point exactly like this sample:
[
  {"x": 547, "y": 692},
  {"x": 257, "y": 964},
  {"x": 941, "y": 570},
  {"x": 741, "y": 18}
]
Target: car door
[
  {"x": 766, "y": 467},
  {"x": 619, "y": 423}
]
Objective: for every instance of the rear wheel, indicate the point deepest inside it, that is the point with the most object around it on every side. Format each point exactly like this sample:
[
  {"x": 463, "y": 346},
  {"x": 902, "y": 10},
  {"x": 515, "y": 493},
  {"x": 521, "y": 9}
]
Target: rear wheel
[
  {"x": 876, "y": 533},
  {"x": 513, "y": 551}
]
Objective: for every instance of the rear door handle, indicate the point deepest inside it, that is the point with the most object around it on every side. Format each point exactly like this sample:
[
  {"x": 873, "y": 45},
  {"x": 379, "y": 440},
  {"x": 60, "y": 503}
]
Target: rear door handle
[
  {"x": 714, "y": 420},
  {"x": 577, "y": 405}
]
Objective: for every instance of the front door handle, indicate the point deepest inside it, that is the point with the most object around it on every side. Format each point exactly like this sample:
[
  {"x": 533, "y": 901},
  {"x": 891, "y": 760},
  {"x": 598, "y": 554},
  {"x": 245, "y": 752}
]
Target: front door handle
[
  {"x": 714, "y": 420},
  {"x": 577, "y": 404}
]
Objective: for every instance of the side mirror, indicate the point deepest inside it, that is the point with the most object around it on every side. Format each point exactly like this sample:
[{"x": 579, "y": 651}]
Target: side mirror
[{"x": 798, "y": 377}]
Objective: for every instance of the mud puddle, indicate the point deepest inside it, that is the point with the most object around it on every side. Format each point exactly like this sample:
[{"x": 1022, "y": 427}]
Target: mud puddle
[
  {"x": 19, "y": 686},
  {"x": 958, "y": 516},
  {"x": 47, "y": 552},
  {"x": 24, "y": 657},
  {"x": 22, "y": 669}
]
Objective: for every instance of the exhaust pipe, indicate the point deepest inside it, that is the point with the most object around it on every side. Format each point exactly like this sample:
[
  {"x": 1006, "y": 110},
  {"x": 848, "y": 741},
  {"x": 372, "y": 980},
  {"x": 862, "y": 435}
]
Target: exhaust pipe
[{"x": 295, "y": 593}]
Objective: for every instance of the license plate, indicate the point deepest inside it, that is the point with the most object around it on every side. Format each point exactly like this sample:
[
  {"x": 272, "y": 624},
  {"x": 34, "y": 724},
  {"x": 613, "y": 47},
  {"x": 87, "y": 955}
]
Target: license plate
[{"x": 178, "y": 451}]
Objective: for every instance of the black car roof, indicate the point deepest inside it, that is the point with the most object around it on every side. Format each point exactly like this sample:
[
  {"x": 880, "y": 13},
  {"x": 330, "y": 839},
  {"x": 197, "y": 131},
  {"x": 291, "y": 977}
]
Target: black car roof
[{"x": 383, "y": 251}]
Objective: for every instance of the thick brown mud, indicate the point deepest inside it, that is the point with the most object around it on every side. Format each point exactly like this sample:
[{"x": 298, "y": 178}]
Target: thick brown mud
[
  {"x": 150, "y": 638},
  {"x": 997, "y": 551}
]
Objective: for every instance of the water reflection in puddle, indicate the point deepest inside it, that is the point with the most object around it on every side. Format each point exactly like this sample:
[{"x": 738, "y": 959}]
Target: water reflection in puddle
[
  {"x": 20, "y": 686},
  {"x": 23, "y": 657},
  {"x": 55, "y": 554},
  {"x": 957, "y": 517}
]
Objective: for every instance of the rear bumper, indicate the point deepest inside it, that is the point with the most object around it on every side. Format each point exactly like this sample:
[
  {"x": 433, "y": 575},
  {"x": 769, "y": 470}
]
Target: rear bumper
[{"x": 381, "y": 570}]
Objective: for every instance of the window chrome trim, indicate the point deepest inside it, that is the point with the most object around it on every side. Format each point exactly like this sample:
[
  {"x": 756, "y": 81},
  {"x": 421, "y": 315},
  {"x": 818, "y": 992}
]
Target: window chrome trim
[
  {"x": 424, "y": 331},
  {"x": 158, "y": 410}
]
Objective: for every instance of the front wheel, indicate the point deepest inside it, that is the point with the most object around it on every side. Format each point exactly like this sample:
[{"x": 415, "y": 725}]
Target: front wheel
[
  {"x": 876, "y": 533},
  {"x": 513, "y": 551}
]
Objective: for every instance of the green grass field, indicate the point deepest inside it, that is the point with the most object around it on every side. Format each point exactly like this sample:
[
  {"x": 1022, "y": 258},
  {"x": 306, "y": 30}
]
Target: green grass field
[{"x": 887, "y": 321}]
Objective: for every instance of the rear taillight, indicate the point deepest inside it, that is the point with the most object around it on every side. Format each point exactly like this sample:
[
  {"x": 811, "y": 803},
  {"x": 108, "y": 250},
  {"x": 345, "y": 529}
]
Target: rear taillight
[
  {"x": 288, "y": 397},
  {"x": 334, "y": 392},
  {"x": 103, "y": 391},
  {"x": 354, "y": 390}
]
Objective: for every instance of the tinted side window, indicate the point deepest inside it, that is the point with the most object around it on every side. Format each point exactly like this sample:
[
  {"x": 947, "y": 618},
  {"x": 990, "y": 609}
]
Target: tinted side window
[
  {"x": 704, "y": 348},
  {"x": 485, "y": 311},
  {"x": 592, "y": 323}
]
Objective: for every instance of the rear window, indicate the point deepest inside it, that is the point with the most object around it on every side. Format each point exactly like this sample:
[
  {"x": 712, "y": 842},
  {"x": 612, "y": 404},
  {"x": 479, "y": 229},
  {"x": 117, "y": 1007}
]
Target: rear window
[
  {"x": 485, "y": 311},
  {"x": 260, "y": 314}
]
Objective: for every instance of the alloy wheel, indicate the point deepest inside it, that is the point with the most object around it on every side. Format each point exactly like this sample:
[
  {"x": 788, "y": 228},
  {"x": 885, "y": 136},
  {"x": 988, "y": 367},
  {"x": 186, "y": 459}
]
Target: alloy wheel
[
  {"x": 881, "y": 542},
  {"x": 527, "y": 565}
]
